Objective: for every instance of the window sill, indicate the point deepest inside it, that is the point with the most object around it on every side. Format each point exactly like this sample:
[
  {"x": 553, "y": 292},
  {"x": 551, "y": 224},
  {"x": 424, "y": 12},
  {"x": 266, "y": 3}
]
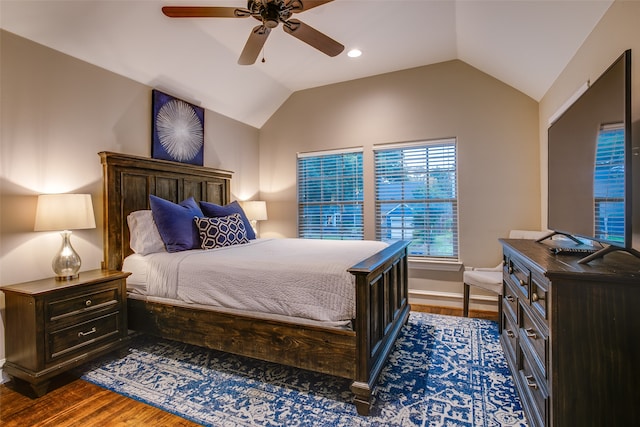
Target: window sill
[{"x": 434, "y": 264}]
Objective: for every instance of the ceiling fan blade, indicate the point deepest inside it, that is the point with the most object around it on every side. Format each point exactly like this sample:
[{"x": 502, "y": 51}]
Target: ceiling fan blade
[
  {"x": 204, "y": 12},
  {"x": 313, "y": 37},
  {"x": 298, "y": 6},
  {"x": 254, "y": 45}
]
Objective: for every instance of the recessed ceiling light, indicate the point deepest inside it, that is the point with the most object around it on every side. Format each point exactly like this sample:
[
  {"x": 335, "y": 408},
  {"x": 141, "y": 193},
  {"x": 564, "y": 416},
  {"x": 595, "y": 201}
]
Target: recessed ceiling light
[{"x": 354, "y": 53}]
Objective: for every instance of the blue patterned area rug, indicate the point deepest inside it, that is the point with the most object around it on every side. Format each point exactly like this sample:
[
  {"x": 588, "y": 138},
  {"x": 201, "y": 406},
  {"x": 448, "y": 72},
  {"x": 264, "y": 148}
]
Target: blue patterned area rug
[{"x": 444, "y": 371}]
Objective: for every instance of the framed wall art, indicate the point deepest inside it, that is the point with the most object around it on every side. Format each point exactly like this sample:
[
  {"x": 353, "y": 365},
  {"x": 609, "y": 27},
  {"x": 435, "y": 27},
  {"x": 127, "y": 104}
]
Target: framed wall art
[{"x": 177, "y": 130}]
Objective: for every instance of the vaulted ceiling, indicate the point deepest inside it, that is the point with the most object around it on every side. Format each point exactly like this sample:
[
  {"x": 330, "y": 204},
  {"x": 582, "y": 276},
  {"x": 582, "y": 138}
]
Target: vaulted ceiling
[{"x": 524, "y": 43}]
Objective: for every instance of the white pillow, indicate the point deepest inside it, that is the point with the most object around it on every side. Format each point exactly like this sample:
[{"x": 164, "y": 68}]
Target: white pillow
[{"x": 144, "y": 237}]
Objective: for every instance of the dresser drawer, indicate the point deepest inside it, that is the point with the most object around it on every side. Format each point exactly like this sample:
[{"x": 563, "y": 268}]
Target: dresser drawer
[
  {"x": 536, "y": 394},
  {"x": 90, "y": 301},
  {"x": 77, "y": 337},
  {"x": 539, "y": 290},
  {"x": 533, "y": 339},
  {"x": 509, "y": 336},
  {"x": 519, "y": 276},
  {"x": 510, "y": 299}
]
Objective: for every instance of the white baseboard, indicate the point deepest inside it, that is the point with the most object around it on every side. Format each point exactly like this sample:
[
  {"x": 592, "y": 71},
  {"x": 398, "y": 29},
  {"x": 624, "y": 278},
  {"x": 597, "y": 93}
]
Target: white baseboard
[
  {"x": 452, "y": 299},
  {"x": 454, "y": 296}
]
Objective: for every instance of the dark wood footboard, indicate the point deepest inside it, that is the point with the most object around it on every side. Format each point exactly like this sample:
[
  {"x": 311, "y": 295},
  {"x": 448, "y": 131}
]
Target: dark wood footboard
[
  {"x": 382, "y": 308},
  {"x": 326, "y": 350}
]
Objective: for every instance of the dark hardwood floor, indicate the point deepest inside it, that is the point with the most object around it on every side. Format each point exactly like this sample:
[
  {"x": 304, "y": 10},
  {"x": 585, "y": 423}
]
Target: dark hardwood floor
[{"x": 75, "y": 402}]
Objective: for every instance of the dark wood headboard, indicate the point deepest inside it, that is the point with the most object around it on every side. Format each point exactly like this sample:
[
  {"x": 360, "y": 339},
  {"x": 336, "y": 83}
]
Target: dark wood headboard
[{"x": 129, "y": 180}]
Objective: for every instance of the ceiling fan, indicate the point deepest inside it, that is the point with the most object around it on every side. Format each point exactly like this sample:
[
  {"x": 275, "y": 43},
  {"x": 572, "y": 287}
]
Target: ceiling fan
[{"x": 270, "y": 13}]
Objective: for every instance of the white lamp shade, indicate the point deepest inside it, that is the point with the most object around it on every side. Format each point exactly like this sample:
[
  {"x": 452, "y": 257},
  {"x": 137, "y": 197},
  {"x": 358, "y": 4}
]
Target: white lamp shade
[
  {"x": 57, "y": 212},
  {"x": 255, "y": 210}
]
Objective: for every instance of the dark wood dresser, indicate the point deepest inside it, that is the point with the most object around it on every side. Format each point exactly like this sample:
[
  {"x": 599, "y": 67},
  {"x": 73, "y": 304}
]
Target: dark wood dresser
[
  {"x": 571, "y": 335},
  {"x": 52, "y": 326}
]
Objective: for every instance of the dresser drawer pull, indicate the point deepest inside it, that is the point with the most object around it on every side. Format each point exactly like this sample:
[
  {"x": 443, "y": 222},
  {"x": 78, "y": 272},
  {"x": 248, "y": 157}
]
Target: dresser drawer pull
[
  {"x": 509, "y": 298},
  {"x": 84, "y": 334},
  {"x": 510, "y": 270},
  {"x": 522, "y": 282},
  {"x": 534, "y": 297},
  {"x": 531, "y": 333},
  {"x": 510, "y": 333},
  {"x": 88, "y": 302},
  {"x": 531, "y": 382}
]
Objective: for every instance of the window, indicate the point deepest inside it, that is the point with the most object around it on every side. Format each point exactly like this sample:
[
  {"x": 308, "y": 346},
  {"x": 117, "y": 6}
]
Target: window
[
  {"x": 330, "y": 195},
  {"x": 416, "y": 196}
]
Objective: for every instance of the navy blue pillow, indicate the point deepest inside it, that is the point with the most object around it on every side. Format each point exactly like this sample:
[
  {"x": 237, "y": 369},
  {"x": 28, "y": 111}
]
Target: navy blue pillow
[
  {"x": 216, "y": 211},
  {"x": 175, "y": 223}
]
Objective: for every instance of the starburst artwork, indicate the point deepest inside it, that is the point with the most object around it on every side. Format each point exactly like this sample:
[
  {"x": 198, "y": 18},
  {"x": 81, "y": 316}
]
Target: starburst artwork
[{"x": 178, "y": 130}]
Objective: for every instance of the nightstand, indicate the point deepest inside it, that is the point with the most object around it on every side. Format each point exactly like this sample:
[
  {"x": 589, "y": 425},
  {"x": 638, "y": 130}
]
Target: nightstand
[{"x": 52, "y": 326}]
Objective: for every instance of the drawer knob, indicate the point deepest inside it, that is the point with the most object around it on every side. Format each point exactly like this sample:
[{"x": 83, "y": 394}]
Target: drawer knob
[
  {"x": 522, "y": 282},
  {"x": 89, "y": 332},
  {"x": 88, "y": 302},
  {"x": 531, "y": 333},
  {"x": 510, "y": 270},
  {"x": 534, "y": 297},
  {"x": 509, "y": 298},
  {"x": 531, "y": 382},
  {"x": 510, "y": 333}
]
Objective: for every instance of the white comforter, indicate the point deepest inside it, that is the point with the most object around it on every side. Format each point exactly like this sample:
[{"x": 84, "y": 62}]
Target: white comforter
[{"x": 291, "y": 277}]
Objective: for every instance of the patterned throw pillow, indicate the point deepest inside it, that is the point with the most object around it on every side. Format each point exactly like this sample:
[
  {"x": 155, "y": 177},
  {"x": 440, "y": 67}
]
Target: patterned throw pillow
[
  {"x": 221, "y": 231},
  {"x": 212, "y": 210}
]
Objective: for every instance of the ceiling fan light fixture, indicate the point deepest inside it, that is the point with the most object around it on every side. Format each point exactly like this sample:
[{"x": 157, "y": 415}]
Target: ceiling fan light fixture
[
  {"x": 270, "y": 15},
  {"x": 354, "y": 53}
]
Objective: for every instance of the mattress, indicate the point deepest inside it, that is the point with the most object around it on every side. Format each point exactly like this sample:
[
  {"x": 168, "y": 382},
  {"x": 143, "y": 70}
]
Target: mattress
[{"x": 298, "y": 278}]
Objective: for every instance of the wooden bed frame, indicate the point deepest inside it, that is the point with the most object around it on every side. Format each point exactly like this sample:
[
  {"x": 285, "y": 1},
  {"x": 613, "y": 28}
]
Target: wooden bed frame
[{"x": 382, "y": 306}]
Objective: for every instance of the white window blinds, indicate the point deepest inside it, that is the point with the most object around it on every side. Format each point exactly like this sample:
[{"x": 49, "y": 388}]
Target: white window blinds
[
  {"x": 330, "y": 195},
  {"x": 416, "y": 196}
]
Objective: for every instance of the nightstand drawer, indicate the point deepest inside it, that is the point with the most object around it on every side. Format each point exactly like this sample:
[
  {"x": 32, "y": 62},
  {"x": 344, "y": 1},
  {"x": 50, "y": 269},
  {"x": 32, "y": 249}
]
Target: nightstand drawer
[
  {"x": 83, "y": 303},
  {"x": 79, "y": 336}
]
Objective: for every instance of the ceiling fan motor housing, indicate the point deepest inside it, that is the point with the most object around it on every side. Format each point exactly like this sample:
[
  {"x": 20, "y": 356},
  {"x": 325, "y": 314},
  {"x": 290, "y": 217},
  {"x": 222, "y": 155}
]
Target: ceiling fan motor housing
[{"x": 270, "y": 12}]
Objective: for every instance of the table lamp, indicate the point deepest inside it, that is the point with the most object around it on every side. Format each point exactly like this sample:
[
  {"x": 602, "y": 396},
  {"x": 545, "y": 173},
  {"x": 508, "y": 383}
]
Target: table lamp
[
  {"x": 255, "y": 211},
  {"x": 65, "y": 212}
]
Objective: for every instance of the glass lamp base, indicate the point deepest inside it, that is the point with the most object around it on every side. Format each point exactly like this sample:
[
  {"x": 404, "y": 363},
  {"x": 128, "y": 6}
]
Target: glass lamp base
[{"x": 66, "y": 263}]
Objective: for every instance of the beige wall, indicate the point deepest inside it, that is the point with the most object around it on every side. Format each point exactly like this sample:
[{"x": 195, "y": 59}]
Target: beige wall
[
  {"x": 57, "y": 113},
  {"x": 617, "y": 31},
  {"x": 497, "y": 132}
]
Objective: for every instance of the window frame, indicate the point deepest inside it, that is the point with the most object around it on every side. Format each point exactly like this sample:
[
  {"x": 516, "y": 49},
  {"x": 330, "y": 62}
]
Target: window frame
[
  {"x": 395, "y": 232},
  {"x": 308, "y": 229}
]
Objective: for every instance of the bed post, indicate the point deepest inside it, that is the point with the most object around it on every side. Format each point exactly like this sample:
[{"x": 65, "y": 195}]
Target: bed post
[{"x": 382, "y": 308}]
